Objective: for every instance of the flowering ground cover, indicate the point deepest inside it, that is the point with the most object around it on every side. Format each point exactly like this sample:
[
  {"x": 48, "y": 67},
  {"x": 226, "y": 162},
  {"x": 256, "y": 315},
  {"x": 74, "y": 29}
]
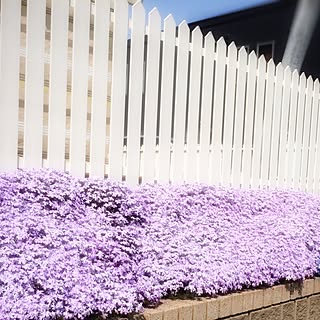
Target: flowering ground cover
[
  {"x": 73, "y": 247},
  {"x": 65, "y": 248}
]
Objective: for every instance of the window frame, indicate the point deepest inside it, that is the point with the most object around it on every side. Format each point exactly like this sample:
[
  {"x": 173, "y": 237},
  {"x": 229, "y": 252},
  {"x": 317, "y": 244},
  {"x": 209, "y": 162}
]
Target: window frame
[{"x": 272, "y": 42}]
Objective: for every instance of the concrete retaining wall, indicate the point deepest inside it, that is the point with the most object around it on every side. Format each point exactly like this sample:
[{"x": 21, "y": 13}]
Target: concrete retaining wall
[{"x": 296, "y": 301}]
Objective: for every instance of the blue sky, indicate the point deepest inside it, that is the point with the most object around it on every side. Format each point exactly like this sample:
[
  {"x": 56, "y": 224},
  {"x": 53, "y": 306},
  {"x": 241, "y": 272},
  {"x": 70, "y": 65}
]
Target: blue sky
[{"x": 199, "y": 9}]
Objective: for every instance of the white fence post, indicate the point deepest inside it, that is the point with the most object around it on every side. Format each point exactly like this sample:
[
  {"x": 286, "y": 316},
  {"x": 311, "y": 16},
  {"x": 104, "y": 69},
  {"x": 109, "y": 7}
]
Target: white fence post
[
  {"x": 135, "y": 93},
  {"x": 206, "y": 109},
  {"x": 151, "y": 96},
  {"x": 218, "y": 104},
  {"x": 276, "y": 116},
  {"x": 313, "y": 141},
  {"x": 79, "y": 93},
  {"x": 258, "y": 122},
  {"x": 239, "y": 116},
  {"x": 316, "y": 175},
  {"x": 292, "y": 129},
  {"x": 118, "y": 89},
  {"x": 9, "y": 83},
  {"x": 267, "y": 124},
  {"x": 306, "y": 134},
  {"x": 166, "y": 99},
  {"x": 284, "y": 127},
  {"x": 180, "y": 103},
  {"x": 99, "y": 88},
  {"x": 194, "y": 105},
  {"x": 229, "y": 113},
  {"x": 33, "y": 108},
  {"x": 248, "y": 129},
  {"x": 299, "y": 132},
  {"x": 58, "y": 84}
]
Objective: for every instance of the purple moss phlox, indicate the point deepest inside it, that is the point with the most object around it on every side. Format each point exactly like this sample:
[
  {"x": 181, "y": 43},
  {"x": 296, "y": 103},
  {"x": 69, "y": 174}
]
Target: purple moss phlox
[{"x": 72, "y": 247}]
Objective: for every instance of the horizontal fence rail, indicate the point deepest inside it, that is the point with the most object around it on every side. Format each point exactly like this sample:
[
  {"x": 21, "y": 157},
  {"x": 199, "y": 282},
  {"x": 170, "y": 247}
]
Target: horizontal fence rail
[{"x": 107, "y": 91}]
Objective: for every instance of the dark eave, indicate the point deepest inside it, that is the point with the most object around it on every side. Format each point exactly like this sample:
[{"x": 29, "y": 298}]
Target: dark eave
[{"x": 242, "y": 14}]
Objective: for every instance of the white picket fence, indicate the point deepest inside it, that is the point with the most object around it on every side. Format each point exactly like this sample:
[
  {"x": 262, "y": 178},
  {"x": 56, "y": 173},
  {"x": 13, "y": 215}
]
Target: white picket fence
[{"x": 189, "y": 108}]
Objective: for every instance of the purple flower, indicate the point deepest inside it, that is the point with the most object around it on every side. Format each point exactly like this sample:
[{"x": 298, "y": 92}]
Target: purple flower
[{"x": 74, "y": 247}]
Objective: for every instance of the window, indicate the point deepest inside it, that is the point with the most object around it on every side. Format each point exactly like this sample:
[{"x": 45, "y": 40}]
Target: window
[{"x": 266, "y": 49}]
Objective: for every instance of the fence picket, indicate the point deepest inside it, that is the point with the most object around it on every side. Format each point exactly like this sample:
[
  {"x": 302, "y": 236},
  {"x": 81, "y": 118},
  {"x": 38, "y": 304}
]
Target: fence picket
[
  {"x": 194, "y": 104},
  {"x": 306, "y": 134},
  {"x": 9, "y": 83},
  {"x": 218, "y": 104},
  {"x": 292, "y": 129},
  {"x": 239, "y": 116},
  {"x": 299, "y": 132},
  {"x": 180, "y": 103},
  {"x": 166, "y": 99},
  {"x": 99, "y": 88},
  {"x": 58, "y": 84},
  {"x": 79, "y": 93},
  {"x": 313, "y": 141},
  {"x": 248, "y": 123},
  {"x": 267, "y": 124},
  {"x": 135, "y": 93},
  {"x": 284, "y": 127},
  {"x": 248, "y": 128},
  {"x": 258, "y": 122},
  {"x": 229, "y": 113},
  {"x": 118, "y": 88},
  {"x": 33, "y": 109},
  {"x": 151, "y": 95},
  {"x": 206, "y": 106},
  {"x": 276, "y": 117},
  {"x": 316, "y": 175}
]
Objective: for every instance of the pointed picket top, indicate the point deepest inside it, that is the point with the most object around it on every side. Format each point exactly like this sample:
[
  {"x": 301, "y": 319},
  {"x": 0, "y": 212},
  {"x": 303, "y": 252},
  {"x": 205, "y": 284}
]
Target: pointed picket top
[
  {"x": 138, "y": 6},
  {"x": 287, "y": 73},
  {"x": 252, "y": 57},
  {"x": 232, "y": 51},
  {"x": 197, "y": 36},
  {"x": 271, "y": 65},
  {"x": 243, "y": 51},
  {"x": 316, "y": 88},
  {"x": 154, "y": 16},
  {"x": 138, "y": 13},
  {"x": 310, "y": 80},
  {"x": 209, "y": 41},
  {"x": 262, "y": 63},
  {"x": 287, "y": 70},
  {"x": 303, "y": 79},
  {"x": 183, "y": 28},
  {"x": 232, "y": 47},
  {"x": 252, "y": 54},
  {"x": 279, "y": 67},
  {"x": 169, "y": 22},
  {"x": 221, "y": 43},
  {"x": 221, "y": 49},
  {"x": 183, "y": 35},
  {"x": 309, "y": 85},
  {"x": 209, "y": 38},
  {"x": 295, "y": 75},
  {"x": 262, "y": 60},
  {"x": 243, "y": 55},
  {"x": 242, "y": 48},
  {"x": 303, "y": 76},
  {"x": 294, "y": 80}
]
